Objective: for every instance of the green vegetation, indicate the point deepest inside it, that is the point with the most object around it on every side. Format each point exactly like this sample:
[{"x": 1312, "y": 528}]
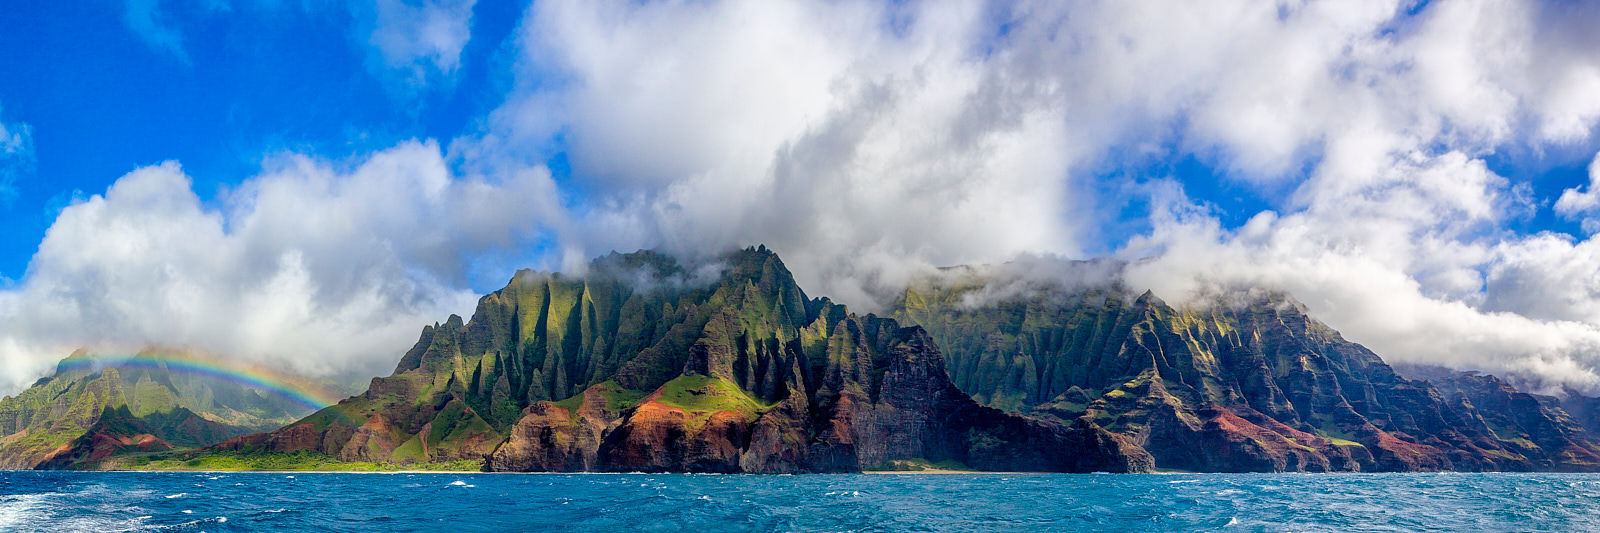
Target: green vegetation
[
  {"x": 297, "y": 461},
  {"x": 617, "y": 398},
  {"x": 128, "y": 397},
  {"x": 706, "y": 395},
  {"x": 919, "y": 465},
  {"x": 1338, "y": 438}
]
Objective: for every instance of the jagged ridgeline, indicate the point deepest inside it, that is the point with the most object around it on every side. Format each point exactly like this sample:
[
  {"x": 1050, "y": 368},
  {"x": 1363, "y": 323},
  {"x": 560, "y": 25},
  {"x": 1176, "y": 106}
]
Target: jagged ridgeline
[
  {"x": 1246, "y": 381},
  {"x": 94, "y": 407},
  {"x": 645, "y": 364}
]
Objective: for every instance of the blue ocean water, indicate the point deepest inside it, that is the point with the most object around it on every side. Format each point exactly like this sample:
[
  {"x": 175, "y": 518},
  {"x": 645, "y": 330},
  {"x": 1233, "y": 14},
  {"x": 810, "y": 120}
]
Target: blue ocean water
[{"x": 188, "y": 501}]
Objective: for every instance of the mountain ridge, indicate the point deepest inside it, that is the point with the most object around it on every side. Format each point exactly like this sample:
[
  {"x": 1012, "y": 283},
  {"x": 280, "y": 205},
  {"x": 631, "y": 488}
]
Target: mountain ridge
[
  {"x": 646, "y": 363},
  {"x": 745, "y": 374},
  {"x": 1251, "y": 377},
  {"x": 93, "y": 407}
]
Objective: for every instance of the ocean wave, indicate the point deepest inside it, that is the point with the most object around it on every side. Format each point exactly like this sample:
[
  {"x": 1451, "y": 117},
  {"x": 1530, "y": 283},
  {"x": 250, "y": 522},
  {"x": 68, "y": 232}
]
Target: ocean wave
[
  {"x": 24, "y": 508},
  {"x": 78, "y": 501}
]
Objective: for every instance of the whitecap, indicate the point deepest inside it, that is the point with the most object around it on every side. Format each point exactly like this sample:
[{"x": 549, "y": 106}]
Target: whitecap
[
  {"x": 187, "y": 511},
  {"x": 458, "y": 483},
  {"x": 22, "y": 508},
  {"x": 178, "y": 495}
]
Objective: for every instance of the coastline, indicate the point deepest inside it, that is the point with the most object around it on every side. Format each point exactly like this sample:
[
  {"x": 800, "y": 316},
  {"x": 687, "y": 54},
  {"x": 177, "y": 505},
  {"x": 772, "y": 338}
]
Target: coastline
[
  {"x": 931, "y": 471},
  {"x": 940, "y": 472}
]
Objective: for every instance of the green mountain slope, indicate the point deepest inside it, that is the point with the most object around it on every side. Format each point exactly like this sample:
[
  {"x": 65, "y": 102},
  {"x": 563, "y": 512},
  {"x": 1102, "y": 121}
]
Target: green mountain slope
[{"x": 94, "y": 407}]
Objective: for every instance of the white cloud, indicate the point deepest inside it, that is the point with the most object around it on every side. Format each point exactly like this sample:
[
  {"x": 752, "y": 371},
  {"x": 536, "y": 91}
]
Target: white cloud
[
  {"x": 858, "y": 151},
  {"x": 321, "y": 271},
  {"x": 1581, "y": 205},
  {"x": 415, "y": 42},
  {"x": 865, "y": 141},
  {"x": 16, "y": 157}
]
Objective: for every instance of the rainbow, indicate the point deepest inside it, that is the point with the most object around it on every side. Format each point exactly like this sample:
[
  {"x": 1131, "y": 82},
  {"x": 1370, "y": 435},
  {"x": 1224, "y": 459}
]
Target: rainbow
[{"x": 292, "y": 388}]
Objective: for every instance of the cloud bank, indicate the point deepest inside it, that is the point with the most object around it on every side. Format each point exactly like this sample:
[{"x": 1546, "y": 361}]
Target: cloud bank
[
  {"x": 308, "y": 267},
  {"x": 868, "y": 142}
]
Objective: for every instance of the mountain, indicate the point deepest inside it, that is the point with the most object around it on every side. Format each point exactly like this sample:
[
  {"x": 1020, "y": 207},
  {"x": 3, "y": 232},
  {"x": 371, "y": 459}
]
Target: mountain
[
  {"x": 644, "y": 364},
  {"x": 1248, "y": 381},
  {"x": 91, "y": 408},
  {"x": 1538, "y": 427}
]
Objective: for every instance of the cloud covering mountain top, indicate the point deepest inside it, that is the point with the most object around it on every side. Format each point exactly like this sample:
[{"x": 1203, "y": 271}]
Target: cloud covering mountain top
[{"x": 1391, "y": 164}]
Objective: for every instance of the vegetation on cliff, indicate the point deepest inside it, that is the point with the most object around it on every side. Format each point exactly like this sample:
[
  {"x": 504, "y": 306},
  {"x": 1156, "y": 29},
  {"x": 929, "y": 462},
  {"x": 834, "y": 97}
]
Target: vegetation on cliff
[
  {"x": 1244, "y": 381},
  {"x": 92, "y": 408}
]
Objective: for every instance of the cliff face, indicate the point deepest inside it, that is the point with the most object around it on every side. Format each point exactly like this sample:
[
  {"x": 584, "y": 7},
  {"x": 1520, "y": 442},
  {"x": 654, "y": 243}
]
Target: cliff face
[
  {"x": 86, "y": 412},
  {"x": 642, "y": 364},
  {"x": 1538, "y": 427},
  {"x": 1247, "y": 383},
  {"x": 848, "y": 393}
]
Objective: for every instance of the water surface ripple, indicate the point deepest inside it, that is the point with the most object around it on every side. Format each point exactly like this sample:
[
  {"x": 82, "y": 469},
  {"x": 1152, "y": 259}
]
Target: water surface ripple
[{"x": 236, "y": 501}]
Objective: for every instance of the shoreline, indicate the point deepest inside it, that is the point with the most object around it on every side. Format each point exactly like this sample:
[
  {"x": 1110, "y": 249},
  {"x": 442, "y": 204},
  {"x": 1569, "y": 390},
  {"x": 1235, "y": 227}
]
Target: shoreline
[
  {"x": 937, "y": 472},
  {"x": 941, "y": 472},
  {"x": 932, "y": 471}
]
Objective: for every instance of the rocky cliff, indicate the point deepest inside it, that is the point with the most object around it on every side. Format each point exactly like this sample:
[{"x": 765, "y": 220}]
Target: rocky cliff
[
  {"x": 645, "y": 365},
  {"x": 1247, "y": 381},
  {"x": 1534, "y": 426}
]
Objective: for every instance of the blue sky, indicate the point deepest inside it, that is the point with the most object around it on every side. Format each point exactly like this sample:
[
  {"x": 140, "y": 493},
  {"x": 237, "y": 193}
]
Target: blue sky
[
  {"x": 100, "y": 99},
  {"x": 307, "y": 182}
]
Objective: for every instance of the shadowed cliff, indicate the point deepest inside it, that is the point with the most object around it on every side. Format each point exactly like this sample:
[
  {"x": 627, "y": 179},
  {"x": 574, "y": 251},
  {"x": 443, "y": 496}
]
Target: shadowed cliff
[{"x": 1244, "y": 382}]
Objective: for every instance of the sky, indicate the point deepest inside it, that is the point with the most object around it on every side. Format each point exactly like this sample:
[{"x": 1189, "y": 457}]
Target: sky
[{"x": 306, "y": 183}]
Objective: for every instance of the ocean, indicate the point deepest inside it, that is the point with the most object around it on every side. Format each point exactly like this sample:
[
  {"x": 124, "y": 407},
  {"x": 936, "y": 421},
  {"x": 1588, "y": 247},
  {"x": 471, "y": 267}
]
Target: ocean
[{"x": 258, "y": 501}]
